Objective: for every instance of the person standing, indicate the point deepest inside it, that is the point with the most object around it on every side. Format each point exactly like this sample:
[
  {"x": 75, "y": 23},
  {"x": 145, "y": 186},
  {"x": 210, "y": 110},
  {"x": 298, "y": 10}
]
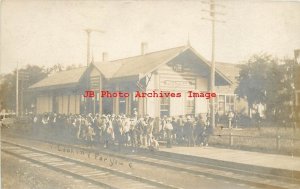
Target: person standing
[
  {"x": 230, "y": 119},
  {"x": 109, "y": 132},
  {"x": 217, "y": 117},
  {"x": 175, "y": 130},
  {"x": 169, "y": 131},
  {"x": 199, "y": 129},
  {"x": 126, "y": 129},
  {"x": 180, "y": 131},
  {"x": 133, "y": 134},
  {"x": 150, "y": 130},
  {"x": 189, "y": 126}
]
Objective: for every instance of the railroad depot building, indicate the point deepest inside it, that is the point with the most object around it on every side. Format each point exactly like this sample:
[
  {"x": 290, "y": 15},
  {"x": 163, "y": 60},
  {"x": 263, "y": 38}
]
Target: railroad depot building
[{"x": 177, "y": 70}]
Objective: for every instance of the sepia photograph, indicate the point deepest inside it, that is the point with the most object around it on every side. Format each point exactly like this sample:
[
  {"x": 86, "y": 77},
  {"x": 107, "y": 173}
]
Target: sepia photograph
[{"x": 135, "y": 94}]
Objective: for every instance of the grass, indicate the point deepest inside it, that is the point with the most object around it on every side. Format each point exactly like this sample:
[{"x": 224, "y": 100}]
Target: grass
[{"x": 262, "y": 139}]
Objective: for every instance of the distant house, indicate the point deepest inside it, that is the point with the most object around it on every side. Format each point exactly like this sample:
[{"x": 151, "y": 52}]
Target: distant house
[
  {"x": 227, "y": 100},
  {"x": 179, "y": 69}
]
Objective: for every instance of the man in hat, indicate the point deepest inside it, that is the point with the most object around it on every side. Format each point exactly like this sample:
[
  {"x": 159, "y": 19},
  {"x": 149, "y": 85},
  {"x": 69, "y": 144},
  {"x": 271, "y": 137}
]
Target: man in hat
[
  {"x": 175, "y": 129},
  {"x": 150, "y": 125},
  {"x": 133, "y": 133},
  {"x": 134, "y": 112},
  {"x": 118, "y": 130},
  {"x": 180, "y": 130},
  {"x": 163, "y": 125},
  {"x": 139, "y": 129},
  {"x": 189, "y": 127},
  {"x": 169, "y": 130},
  {"x": 144, "y": 130},
  {"x": 126, "y": 129},
  {"x": 78, "y": 123},
  {"x": 199, "y": 130},
  {"x": 102, "y": 127}
]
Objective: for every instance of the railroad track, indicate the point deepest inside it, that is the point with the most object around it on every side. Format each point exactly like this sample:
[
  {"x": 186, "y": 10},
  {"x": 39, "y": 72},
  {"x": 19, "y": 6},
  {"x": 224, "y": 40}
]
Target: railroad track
[
  {"x": 95, "y": 174},
  {"x": 193, "y": 167}
]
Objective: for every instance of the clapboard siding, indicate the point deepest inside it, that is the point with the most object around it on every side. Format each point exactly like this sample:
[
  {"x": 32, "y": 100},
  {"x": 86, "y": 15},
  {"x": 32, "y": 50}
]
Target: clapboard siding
[
  {"x": 172, "y": 80},
  {"x": 166, "y": 79},
  {"x": 44, "y": 104}
]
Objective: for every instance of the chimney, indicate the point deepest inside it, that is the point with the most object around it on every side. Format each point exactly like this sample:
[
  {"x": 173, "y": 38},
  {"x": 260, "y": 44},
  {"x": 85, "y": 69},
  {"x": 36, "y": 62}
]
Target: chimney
[
  {"x": 104, "y": 57},
  {"x": 144, "y": 48}
]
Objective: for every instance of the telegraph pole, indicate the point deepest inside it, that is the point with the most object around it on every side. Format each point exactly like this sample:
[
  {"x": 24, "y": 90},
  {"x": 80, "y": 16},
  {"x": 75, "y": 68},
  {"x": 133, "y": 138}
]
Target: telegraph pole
[
  {"x": 295, "y": 104},
  {"x": 88, "y": 32},
  {"x": 212, "y": 12},
  {"x": 17, "y": 91},
  {"x": 23, "y": 78}
]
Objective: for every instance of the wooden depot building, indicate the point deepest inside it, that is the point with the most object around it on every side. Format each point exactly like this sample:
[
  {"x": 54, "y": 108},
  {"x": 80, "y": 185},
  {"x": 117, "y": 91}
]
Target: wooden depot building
[{"x": 179, "y": 69}]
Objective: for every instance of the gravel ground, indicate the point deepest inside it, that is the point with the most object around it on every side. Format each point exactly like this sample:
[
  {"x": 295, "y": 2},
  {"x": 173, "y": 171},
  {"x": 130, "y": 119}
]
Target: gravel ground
[{"x": 21, "y": 174}]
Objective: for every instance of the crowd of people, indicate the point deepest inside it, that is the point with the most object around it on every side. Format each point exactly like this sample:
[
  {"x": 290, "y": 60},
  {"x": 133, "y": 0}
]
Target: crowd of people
[{"x": 132, "y": 131}]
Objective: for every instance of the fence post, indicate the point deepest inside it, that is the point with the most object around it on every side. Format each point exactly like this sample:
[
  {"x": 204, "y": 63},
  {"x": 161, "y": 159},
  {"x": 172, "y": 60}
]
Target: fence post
[
  {"x": 230, "y": 139},
  {"x": 278, "y": 142}
]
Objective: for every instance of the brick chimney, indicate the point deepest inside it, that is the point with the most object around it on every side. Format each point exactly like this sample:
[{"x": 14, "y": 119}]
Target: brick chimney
[
  {"x": 144, "y": 48},
  {"x": 104, "y": 57}
]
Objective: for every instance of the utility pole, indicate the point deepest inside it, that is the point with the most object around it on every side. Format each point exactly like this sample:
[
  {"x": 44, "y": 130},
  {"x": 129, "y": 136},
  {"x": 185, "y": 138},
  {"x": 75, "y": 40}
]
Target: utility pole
[
  {"x": 17, "y": 91},
  {"x": 295, "y": 86},
  {"x": 212, "y": 12},
  {"x": 88, "y": 32},
  {"x": 23, "y": 78}
]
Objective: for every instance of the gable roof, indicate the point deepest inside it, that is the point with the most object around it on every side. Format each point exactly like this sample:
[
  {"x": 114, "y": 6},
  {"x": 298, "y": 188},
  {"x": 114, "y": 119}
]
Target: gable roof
[
  {"x": 133, "y": 66},
  {"x": 66, "y": 77},
  {"x": 144, "y": 64},
  {"x": 231, "y": 71},
  {"x": 137, "y": 65}
]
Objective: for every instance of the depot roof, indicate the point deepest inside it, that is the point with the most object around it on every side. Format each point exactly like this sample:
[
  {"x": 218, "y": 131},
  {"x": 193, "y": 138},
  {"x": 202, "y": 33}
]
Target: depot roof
[
  {"x": 62, "y": 78},
  {"x": 138, "y": 66}
]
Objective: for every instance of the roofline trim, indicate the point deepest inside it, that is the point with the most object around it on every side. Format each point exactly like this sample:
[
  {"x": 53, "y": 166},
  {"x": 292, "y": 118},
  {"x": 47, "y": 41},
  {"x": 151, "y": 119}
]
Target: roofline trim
[
  {"x": 32, "y": 87},
  {"x": 206, "y": 62},
  {"x": 53, "y": 86},
  {"x": 197, "y": 54},
  {"x": 102, "y": 74},
  {"x": 142, "y": 75}
]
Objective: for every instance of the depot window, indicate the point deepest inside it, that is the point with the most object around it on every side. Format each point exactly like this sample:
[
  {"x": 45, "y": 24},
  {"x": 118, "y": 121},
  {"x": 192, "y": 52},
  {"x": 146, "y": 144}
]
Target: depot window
[{"x": 165, "y": 106}]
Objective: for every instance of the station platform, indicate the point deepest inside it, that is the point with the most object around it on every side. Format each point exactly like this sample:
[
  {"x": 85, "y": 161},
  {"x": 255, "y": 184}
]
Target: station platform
[{"x": 281, "y": 165}]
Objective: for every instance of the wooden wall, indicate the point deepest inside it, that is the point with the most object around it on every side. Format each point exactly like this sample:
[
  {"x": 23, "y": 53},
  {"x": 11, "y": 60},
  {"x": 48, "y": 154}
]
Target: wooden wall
[
  {"x": 43, "y": 104},
  {"x": 166, "y": 79},
  {"x": 67, "y": 104}
]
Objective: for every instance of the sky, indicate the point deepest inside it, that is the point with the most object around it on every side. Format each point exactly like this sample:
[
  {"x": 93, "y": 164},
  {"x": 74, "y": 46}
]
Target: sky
[{"x": 48, "y": 32}]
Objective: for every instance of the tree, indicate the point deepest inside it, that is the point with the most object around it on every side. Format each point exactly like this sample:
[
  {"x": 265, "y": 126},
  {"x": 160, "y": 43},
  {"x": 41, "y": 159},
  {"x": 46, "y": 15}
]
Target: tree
[
  {"x": 262, "y": 80},
  {"x": 54, "y": 68},
  {"x": 73, "y": 66},
  {"x": 35, "y": 73},
  {"x": 7, "y": 96},
  {"x": 252, "y": 80},
  {"x": 8, "y": 86}
]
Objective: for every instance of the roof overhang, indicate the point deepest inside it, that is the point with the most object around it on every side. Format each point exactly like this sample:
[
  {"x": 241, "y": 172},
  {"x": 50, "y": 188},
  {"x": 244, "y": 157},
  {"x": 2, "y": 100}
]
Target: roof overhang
[
  {"x": 217, "y": 71},
  {"x": 125, "y": 79},
  {"x": 64, "y": 86}
]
